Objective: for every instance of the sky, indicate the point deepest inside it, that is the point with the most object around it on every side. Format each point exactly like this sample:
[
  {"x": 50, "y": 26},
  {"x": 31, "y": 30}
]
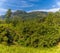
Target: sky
[{"x": 29, "y": 5}]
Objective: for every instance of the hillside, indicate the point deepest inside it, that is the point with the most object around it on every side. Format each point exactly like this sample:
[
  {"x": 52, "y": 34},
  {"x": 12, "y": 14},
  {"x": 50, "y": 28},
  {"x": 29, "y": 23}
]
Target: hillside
[
  {"x": 36, "y": 32},
  {"x": 25, "y": 15},
  {"x": 30, "y": 26}
]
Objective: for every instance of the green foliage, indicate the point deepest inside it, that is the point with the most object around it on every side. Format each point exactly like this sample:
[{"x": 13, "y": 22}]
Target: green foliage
[
  {"x": 40, "y": 34},
  {"x": 8, "y": 34},
  {"x": 34, "y": 32},
  {"x": 8, "y": 15}
]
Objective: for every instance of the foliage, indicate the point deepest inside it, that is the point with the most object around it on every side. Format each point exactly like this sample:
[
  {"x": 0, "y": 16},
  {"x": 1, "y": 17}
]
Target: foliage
[
  {"x": 34, "y": 32},
  {"x": 8, "y": 15},
  {"x": 7, "y": 34}
]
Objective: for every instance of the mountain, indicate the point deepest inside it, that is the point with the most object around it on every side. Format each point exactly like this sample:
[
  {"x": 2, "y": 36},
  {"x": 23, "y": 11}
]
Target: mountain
[
  {"x": 2, "y": 16},
  {"x": 23, "y": 14},
  {"x": 38, "y": 14},
  {"x": 18, "y": 12}
]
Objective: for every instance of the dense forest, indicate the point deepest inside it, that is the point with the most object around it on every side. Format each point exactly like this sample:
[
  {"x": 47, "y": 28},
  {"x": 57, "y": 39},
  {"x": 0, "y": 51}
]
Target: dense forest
[{"x": 33, "y": 29}]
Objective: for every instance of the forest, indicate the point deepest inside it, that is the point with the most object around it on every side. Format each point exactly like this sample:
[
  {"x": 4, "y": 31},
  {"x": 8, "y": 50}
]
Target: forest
[
  {"x": 34, "y": 29},
  {"x": 23, "y": 29}
]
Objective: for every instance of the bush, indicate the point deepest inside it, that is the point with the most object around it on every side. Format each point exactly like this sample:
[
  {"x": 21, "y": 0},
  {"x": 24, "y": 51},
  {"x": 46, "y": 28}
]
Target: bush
[{"x": 8, "y": 34}]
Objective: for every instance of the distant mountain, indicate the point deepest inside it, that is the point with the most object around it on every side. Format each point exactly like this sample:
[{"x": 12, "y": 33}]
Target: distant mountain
[
  {"x": 34, "y": 14},
  {"x": 18, "y": 12},
  {"x": 39, "y": 14},
  {"x": 2, "y": 16}
]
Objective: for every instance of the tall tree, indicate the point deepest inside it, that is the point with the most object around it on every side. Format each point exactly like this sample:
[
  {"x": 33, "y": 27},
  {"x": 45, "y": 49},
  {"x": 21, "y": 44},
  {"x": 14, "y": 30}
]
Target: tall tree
[{"x": 8, "y": 15}]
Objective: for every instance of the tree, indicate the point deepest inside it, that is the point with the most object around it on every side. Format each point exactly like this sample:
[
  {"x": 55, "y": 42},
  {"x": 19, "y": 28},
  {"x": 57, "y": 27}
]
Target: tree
[{"x": 8, "y": 15}]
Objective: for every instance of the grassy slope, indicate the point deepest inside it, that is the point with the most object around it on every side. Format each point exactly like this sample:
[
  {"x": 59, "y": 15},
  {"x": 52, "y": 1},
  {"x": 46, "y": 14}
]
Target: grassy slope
[{"x": 18, "y": 49}]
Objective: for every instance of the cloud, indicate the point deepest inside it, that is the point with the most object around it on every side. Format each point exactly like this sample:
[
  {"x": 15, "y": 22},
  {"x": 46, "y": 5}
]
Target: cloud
[
  {"x": 22, "y": 4},
  {"x": 16, "y": 4},
  {"x": 6, "y": 4},
  {"x": 2, "y": 11},
  {"x": 47, "y": 10},
  {"x": 25, "y": 4},
  {"x": 34, "y": 0},
  {"x": 2, "y": 1},
  {"x": 57, "y": 3},
  {"x": 53, "y": 6}
]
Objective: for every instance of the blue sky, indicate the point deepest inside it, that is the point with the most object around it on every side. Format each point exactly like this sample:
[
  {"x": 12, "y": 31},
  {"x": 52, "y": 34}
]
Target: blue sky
[{"x": 29, "y": 5}]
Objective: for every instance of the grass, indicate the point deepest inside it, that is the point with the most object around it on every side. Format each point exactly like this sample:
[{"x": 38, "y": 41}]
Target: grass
[{"x": 19, "y": 49}]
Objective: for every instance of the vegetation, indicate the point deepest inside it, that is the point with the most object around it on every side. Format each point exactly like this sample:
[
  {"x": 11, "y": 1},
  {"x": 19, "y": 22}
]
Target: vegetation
[
  {"x": 8, "y": 15},
  {"x": 19, "y": 49},
  {"x": 43, "y": 31}
]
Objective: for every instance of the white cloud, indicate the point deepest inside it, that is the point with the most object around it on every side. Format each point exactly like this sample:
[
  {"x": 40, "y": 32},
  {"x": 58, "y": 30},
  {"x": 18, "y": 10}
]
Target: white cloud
[
  {"x": 53, "y": 6},
  {"x": 20, "y": 4},
  {"x": 25, "y": 4},
  {"x": 58, "y": 3},
  {"x": 47, "y": 10},
  {"x": 2, "y": 11},
  {"x": 2, "y": 2},
  {"x": 34, "y": 0}
]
